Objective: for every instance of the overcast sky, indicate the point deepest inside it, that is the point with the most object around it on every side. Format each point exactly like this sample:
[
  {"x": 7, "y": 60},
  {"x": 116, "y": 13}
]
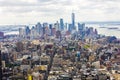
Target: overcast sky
[{"x": 33, "y": 11}]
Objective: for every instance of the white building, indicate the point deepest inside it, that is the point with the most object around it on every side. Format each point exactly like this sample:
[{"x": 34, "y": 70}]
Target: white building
[{"x": 21, "y": 33}]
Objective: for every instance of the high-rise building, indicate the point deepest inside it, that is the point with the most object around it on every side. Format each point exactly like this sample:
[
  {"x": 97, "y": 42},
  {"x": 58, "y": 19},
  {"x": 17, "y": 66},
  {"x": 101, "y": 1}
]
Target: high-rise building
[
  {"x": 73, "y": 21},
  {"x": 66, "y": 27},
  {"x": 47, "y": 30},
  {"x": 27, "y": 30},
  {"x": 45, "y": 25},
  {"x": 21, "y": 33},
  {"x": 56, "y": 25},
  {"x": 61, "y": 25},
  {"x": 80, "y": 27},
  {"x": 70, "y": 28},
  {"x": 33, "y": 33},
  {"x": 53, "y": 31},
  {"x": 38, "y": 27},
  {"x": 50, "y": 27}
]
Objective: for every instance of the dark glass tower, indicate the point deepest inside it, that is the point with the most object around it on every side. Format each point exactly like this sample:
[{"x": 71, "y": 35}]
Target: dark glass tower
[
  {"x": 27, "y": 30},
  {"x": 61, "y": 24},
  {"x": 50, "y": 27},
  {"x": 73, "y": 20}
]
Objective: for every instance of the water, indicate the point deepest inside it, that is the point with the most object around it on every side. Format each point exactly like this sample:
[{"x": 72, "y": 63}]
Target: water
[
  {"x": 107, "y": 29},
  {"x": 10, "y": 29}
]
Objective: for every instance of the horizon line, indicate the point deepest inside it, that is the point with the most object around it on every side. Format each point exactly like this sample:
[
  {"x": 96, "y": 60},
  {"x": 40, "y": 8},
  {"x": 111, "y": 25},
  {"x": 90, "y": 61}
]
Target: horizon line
[{"x": 65, "y": 22}]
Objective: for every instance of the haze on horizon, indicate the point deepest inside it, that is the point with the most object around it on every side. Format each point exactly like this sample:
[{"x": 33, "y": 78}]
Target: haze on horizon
[{"x": 32, "y": 11}]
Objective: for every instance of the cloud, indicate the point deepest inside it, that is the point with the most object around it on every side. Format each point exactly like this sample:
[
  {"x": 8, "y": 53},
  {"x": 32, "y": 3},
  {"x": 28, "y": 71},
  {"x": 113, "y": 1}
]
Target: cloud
[{"x": 84, "y": 9}]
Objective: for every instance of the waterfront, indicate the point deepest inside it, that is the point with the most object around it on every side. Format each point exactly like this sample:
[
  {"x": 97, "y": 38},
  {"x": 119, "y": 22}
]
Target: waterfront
[{"x": 102, "y": 28}]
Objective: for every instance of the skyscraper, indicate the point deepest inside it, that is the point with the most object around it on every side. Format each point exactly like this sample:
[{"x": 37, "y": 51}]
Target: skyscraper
[
  {"x": 56, "y": 25},
  {"x": 70, "y": 28},
  {"x": 33, "y": 33},
  {"x": 73, "y": 21},
  {"x": 50, "y": 27},
  {"x": 61, "y": 24},
  {"x": 27, "y": 30},
  {"x": 81, "y": 26},
  {"x": 38, "y": 27},
  {"x": 45, "y": 25},
  {"x": 21, "y": 33}
]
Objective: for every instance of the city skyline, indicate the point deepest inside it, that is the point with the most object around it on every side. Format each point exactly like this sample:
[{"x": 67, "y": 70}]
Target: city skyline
[{"x": 32, "y": 11}]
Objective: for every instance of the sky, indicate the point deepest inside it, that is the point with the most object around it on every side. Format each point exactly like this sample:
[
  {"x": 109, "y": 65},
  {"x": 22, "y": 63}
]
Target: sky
[{"x": 33, "y": 11}]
